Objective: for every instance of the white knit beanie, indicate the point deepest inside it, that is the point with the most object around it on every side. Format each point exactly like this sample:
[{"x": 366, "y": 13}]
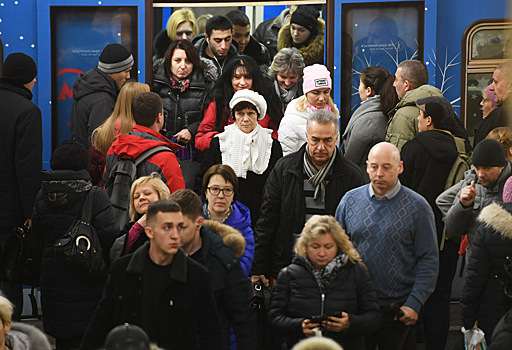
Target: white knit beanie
[{"x": 252, "y": 97}]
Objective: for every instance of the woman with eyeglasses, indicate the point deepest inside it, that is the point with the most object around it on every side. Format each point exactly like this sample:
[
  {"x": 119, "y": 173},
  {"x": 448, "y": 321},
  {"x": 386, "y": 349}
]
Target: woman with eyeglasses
[{"x": 219, "y": 194}]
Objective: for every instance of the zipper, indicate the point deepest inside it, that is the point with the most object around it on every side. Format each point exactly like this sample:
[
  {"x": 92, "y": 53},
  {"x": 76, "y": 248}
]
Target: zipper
[{"x": 322, "y": 305}]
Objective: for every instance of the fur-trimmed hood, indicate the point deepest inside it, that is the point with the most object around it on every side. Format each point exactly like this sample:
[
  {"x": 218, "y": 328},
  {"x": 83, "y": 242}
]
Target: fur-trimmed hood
[
  {"x": 26, "y": 337},
  {"x": 498, "y": 218},
  {"x": 311, "y": 53},
  {"x": 232, "y": 237}
]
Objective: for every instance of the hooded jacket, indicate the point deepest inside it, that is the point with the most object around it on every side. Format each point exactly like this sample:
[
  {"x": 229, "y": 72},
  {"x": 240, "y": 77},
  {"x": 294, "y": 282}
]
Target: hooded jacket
[
  {"x": 201, "y": 44},
  {"x": 313, "y": 51},
  {"x": 428, "y": 159},
  {"x": 137, "y": 141},
  {"x": 497, "y": 118},
  {"x": 402, "y": 124},
  {"x": 482, "y": 294},
  {"x": 267, "y": 31},
  {"x": 94, "y": 98},
  {"x": 26, "y": 337}
]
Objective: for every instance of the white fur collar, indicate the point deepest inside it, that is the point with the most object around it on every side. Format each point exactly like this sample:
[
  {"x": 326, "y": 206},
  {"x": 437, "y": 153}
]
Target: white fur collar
[{"x": 497, "y": 218}]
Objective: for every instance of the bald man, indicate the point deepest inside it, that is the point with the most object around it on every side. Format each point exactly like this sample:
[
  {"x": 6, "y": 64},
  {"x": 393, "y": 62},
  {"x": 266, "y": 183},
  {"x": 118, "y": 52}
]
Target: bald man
[{"x": 393, "y": 229}]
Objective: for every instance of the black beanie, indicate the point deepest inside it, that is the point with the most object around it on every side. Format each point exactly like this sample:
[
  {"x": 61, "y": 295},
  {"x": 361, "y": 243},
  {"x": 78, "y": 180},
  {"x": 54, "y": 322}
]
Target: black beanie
[
  {"x": 70, "y": 155},
  {"x": 115, "y": 58},
  {"x": 19, "y": 69},
  {"x": 307, "y": 17},
  {"x": 489, "y": 153}
]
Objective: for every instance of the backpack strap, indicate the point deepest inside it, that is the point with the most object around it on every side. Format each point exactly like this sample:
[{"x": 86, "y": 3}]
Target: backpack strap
[
  {"x": 459, "y": 143},
  {"x": 87, "y": 207},
  {"x": 148, "y": 153}
]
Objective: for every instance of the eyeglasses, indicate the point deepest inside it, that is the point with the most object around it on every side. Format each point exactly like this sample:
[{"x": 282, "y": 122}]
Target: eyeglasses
[
  {"x": 214, "y": 190},
  {"x": 187, "y": 33}
]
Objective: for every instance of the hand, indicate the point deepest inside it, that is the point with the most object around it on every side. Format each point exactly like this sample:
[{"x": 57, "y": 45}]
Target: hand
[
  {"x": 28, "y": 223},
  {"x": 307, "y": 327},
  {"x": 337, "y": 324},
  {"x": 262, "y": 278},
  {"x": 468, "y": 194},
  {"x": 410, "y": 316},
  {"x": 184, "y": 136},
  {"x": 142, "y": 221}
]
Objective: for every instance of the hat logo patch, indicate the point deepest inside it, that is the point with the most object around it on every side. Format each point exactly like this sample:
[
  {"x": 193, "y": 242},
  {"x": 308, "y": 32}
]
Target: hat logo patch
[{"x": 322, "y": 82}]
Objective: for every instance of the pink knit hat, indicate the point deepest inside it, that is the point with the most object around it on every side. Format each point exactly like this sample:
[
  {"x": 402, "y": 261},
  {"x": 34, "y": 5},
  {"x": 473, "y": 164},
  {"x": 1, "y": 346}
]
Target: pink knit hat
[
  {"x": 316, "y": 77},
  {"x": 491, "y": 96},
  {"x": 507, "y": 191}
]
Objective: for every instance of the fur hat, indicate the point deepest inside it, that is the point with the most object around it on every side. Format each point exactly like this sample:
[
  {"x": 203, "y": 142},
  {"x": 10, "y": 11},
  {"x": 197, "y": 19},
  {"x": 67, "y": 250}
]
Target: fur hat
[
  {"x": 70, "y": 155},
  {"x": 115, "y": 58},
  {"x": 19, "y": 69},
  {"x": 307, "y": 17},
  {"x": 316, "y": 77},
  {"x": 489, "y": 153},
  {"x": 127, "y": 337},
  {"x": 252, "y": 97}
]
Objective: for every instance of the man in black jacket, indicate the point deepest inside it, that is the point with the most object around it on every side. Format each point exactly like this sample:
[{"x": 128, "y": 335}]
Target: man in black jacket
[
  {"x": 204, "y": 243},
  {"x": 159, "y": 289},
  {"x": 21, "y": 148},
  {"x": 308, "y": 182}
]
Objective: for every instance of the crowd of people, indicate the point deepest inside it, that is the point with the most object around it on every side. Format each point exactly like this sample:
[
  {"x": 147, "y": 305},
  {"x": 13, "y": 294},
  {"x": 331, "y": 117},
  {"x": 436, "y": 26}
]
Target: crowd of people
[{"x": 229, "y": 174}]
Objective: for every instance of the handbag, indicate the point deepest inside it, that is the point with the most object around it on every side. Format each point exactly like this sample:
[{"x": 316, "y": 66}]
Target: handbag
[
  {"x": 80, "y": 245},
  {"x": 189, "y": 167}
]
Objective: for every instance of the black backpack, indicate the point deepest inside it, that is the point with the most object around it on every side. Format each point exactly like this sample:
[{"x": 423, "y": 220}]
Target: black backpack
[{"x": 122, "y": 175}]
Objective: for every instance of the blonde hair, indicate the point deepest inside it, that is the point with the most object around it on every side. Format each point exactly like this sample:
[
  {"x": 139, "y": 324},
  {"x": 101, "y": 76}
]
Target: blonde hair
[
  {"x": 5, "y": 309},
  {"x": 317, "y": 343},
  {"x": 503, "y": 135},
  {"x": 104, "y": 135},
  {"x": 320, "y": 225},
  {"x": 201, "y": 22},
  {"x": 154, "y": 181},
  {"x": 178, "y": 17},
  {"x": 302, "y": 105}
]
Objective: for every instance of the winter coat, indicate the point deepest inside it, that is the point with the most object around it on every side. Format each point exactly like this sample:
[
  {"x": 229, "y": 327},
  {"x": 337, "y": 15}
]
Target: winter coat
[
  {"x": 292, "y": 130},
  {"x": 26, "y": 337},
  {"x": 201, "y": 44},
  {"x": 161, "y": 44},
  {"x": 250, "y": 189},
  {"x": 259, "y": 53},
  {"x": 297, "y": 296},
  {"x": 428, "y": 159},
  {"x": 94, "y": 98},
  {"x": 366, "y": 128},
  {"x": 482, "y": 295},
  {"x": 459, "y": 220},
  {"x": 313, "y": 51},
  {"x": 502, "y": 336},
  {"x": 217, "y": 254},
  {"x": 497, "y": 118},
  {"x": 120, "y": 244},
  {"x": 267, "y": 31},
  {"x": 184, "y": 109},
  {"x": 21, "y": 155},
  {"x": 134, "y": 144},
  {"x": 68, "y": 298},
  {"x": 402, "y": 124},
  {"x": 283, "y": 208},
  {"x": 186, "y": 316}
]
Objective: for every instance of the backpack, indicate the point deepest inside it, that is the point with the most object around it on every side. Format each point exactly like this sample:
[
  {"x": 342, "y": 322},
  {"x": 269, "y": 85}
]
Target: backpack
[
  {"x": 122, "y": 175},
  {"x": 461, "y": 164}
]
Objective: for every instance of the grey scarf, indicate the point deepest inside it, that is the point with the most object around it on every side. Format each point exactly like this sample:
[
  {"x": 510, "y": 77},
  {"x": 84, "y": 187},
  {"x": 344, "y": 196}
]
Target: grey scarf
[
  {"x": 317, "y": 177},
  {"x": 325, "y": 275}
]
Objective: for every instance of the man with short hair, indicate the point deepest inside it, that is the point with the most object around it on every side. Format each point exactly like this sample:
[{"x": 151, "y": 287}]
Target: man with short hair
[
  {"x": 216, "y": 44},
  {"x": 95, "y": 92},
  {"x": 247, "y": 44},
  {"x": 411, "y": 84},
  {"x": 393, "y": 229},
  {"x": 502, "y": 87},
  {"x": 213, "y": 245},
  {"x": 304, "y": 183},
  {"x": 159, "y": 289},
  {"x": 148, "y": 115},
  {"x": 267, "y": 32}
]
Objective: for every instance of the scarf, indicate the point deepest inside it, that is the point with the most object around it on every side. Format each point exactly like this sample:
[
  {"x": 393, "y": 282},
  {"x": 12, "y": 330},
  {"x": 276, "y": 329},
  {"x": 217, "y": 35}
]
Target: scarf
[
  {"x": 317, "y": 177},
  {"x": 246, "y": 152},
  {"x": 326, "y": 107},
  {"x": 179, "y": 85},
  {"x": 286, "y": 95},
  {"x": 326, "y": 275},
  {"x": 208, "y": 216}
]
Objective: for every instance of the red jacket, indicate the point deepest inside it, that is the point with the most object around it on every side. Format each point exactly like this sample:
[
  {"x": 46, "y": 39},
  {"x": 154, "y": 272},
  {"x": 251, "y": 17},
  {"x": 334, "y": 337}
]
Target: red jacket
[{"x": 132, "y": 145}]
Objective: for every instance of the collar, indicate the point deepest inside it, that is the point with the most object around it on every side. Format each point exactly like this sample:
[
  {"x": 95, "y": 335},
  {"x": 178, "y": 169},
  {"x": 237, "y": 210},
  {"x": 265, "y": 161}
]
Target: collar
[{"x": 388, "y": 196}]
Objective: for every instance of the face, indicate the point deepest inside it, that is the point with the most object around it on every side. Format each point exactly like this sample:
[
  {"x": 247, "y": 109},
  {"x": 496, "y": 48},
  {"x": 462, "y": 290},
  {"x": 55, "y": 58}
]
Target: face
[
  {"x": 242, "y": 35},
  {"x": 143, "y": 196},
  {"x": 5, "y": 328},
  {"x": 287, "y": 79},
  {"x": 184, "y": 31},
  {"x": 321, "y": 250},
  {"x": 322, "y": 139},
  {"x": 219, "y": 204},
  {"x": 363, "y": 91},
  {"x": 423, "y": 123},
  {"x": 487, "y": 106},
  {"x": 190, "y": 230},
  {"x": 246, "y": 119},
  {"x": 219, "y": 42},
  {"x": 121, "y": 77},
  {"x": 488, "y": 176},
  {"x": 299, "y": 33},
  {"x": 318, "y": 98},
  {"x": 383, "y": 167},
  {"x": 241, "y": 79},
  {"x": 500, "y": 85},
  {"x": 181, "y": 67},
  {"x": 164, "y": 232},
  {"x": 400, "y": 84},
  {"x": 30, "y": 85}
]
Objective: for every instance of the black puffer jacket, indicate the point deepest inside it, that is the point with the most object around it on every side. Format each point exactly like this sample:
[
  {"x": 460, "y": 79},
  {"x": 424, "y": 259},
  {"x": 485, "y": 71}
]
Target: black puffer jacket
[
  {"x": 21, "y": 147},
  {"x": 184, "y": 109},
  {"x": 68, "y": 298},
  {"x": 201, "y": 44},
  {"x": 297, "y": 296},
  {"x": 283, "y": 208},
  {"x": 482, "y": 295},
  {"x": 94, "y": 98}
]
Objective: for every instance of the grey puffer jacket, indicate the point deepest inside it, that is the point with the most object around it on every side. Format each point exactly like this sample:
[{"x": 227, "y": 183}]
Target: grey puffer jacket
[{"x": 26, "y": 337}]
